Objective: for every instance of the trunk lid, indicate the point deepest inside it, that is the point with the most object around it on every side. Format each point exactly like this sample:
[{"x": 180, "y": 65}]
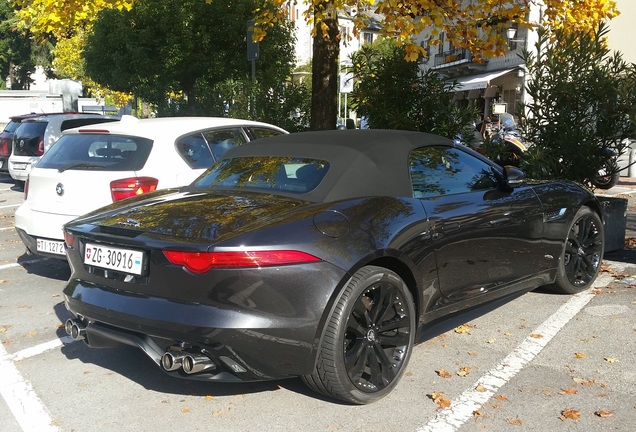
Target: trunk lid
[{"x": 194, "y": 215}]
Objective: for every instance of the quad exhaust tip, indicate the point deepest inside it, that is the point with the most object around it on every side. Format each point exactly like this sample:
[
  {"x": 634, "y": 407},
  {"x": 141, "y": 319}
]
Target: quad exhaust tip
[
  {"x": 75, "y": 329},
  {"x": 195, "y": 363}
]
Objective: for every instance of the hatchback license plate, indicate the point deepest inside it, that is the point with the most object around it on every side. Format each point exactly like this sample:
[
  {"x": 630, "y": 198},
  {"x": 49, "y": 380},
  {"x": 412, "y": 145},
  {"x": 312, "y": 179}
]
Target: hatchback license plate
[
  {"x": 19, "y": 166},
  {"x": 51, "y": 246},
  {"x": 123, "y": 260}
]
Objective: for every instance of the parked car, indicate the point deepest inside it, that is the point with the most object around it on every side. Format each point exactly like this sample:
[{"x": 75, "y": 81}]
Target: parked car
[
  {"x": 6, "y": 139},
  {"x": 322, "y": 255},
  {"x": 34, "y": 136},
  {"x": 92, "y": 166}
]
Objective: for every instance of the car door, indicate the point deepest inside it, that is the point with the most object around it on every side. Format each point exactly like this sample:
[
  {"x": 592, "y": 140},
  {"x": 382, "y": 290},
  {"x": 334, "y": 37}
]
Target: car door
[{"x": 484, "y": 237}]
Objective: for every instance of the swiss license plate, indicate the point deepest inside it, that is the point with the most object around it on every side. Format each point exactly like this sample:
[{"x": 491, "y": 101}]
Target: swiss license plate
[
  {"x": 123, "y": 260},
  {"x": 51, "y": 246},
  {"x": 19, "y": 166}
]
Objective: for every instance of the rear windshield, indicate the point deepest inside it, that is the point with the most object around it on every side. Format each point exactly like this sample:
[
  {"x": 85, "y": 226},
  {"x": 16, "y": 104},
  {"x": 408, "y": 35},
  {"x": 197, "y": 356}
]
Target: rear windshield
[
  {"x": 31, "y": 129},
  {"x": 97, "y": 152},
  {"x": 285, "y": 174}
]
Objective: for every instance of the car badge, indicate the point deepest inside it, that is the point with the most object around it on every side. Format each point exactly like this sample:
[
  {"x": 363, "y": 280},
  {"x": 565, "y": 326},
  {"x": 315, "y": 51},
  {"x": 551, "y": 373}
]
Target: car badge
[
  {"x": 130, "y": 222},
  {"x": 21, "y": 144},
  {"x": 59, "y": 189}
]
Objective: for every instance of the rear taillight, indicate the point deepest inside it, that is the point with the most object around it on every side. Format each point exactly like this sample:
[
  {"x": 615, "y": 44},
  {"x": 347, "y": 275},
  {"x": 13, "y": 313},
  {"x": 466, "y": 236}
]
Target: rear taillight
[
  {"x": 26, "y": 188},
  {"x": 4, "y": 147},
  {"x": 40, "y": 151},
  {"x": 129, "y": 187},
  {"x": 69, "y": 239},
  {"x": 201, "y": 262}
]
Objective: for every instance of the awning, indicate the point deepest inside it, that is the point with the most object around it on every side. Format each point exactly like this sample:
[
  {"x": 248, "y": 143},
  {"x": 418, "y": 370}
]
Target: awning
[{"x": 480, "y": 81}]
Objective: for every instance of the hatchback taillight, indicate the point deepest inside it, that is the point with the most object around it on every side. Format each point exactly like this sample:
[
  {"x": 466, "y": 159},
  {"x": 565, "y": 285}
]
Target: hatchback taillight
[
  {"x": 4, "y": 147},
  {"x": 69, "y": 239},
  {"x": 129, "y": 187},
  {"x": 40, "y": 151}
]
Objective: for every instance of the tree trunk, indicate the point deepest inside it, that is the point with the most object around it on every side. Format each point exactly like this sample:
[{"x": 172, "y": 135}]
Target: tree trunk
[{"x": 324, "y": 79}]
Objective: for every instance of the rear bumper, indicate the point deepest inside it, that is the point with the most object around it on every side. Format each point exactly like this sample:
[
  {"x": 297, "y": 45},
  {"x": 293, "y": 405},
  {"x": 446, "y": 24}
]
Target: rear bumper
[
  {"x": 32, "y": 225},
  {"x": 4, "y": 164},
  {"x": 247, "y": 340}
]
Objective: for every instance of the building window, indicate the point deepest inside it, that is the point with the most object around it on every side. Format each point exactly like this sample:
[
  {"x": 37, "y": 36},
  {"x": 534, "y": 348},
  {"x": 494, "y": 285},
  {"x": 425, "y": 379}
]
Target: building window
[{"x": 368, "y": 37}]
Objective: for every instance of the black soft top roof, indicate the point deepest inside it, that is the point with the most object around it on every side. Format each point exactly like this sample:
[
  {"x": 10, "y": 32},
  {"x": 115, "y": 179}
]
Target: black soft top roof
[{"x": 367, "y": 162}]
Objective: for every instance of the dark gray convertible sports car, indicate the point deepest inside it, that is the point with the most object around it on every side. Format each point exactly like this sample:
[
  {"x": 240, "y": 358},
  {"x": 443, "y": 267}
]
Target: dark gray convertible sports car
[{"x": 323, "y": 255}]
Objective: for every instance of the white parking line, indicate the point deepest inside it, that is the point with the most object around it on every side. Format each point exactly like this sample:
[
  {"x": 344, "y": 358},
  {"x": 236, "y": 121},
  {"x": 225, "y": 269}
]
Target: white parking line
[
  {"x": 9, "y": 206},
  {"x": 461, "y": 409},
  {"x": 18, "y": 264},
  {"x": 6, "y": 228},
  {"x": 24, "y": 403}
]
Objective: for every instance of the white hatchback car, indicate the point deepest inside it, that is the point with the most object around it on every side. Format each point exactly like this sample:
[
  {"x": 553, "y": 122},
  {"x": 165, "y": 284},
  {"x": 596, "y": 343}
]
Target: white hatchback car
[{"x": 93, "y": 166}]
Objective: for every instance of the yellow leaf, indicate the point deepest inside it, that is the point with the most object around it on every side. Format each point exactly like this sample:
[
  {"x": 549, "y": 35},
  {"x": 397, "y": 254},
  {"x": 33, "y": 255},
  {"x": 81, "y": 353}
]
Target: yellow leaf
[
  {"x": 579, "y": 355},
  {"x": 514, "y": 421},
  {"x": 570, "y": 414},
  {"x": 443, "y": 373},
  {"x": 611, "y": 360},
  {"x": 463, "y": 371},
  {"x": 536, "y": 336},
  {"x": 491, "y": 340},
  {"x": 501, "y": 398},
  {"x": 440, "y": 399},
  {"x": 568, "y": 390},
  {"x": 462, "y": 329},
  {"x": 604, "y": 413},
  {"x": 480, "y": 388},
  {"x": 185, "y": 410},
  {"x": 208, "y": 397}
]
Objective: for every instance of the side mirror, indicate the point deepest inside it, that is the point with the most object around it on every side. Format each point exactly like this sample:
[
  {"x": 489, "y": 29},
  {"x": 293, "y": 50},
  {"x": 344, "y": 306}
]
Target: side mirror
[{"x": 514, "y": 177}]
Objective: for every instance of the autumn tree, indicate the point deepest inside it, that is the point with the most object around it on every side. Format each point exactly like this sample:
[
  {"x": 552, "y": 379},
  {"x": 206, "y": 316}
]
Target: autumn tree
[
  {"x": 473, "y": 24},
  {"x": 477, "y": 25}
]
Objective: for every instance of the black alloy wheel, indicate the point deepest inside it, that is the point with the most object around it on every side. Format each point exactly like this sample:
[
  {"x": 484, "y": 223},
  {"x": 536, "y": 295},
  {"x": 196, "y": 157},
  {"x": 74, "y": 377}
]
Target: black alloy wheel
[
  {"x": 581, "y": 260},
  {"x": 368, "y": 340}
]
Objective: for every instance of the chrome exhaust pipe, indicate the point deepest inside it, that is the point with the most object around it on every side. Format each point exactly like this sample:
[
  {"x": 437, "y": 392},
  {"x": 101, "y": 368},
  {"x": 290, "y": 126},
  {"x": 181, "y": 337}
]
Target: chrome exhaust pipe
[
  {"x": 172, "y": 360},
  {"x": 75, "y": 329},
  {"x": 195, "y": 363}
]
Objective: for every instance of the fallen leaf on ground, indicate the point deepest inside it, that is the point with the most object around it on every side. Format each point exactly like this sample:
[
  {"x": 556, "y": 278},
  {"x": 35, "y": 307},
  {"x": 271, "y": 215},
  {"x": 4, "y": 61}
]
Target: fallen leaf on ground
[
  {"x": 570, "y": 414},
  {"x": 208, "y": 397},
  {"x": 472, "y": 353},
  {"x": 440, "y": 399},
  {"x": 583, "y": 382},
  {"x": 491, "y": 340},
  {"x": 611, "y": 360},
  {"x": 477, "y": 413},
  {"x": 604, "y": 413},
  {"x": 185, "y": 410},
  {"x": 463, "y": 371},
  {"x": 568, "y": 390},
  {"x": 579, "y": 355},
  {"x": 443, "y": 373},
  {"x": 481, "y": 388},
  {"x": 536, "y": 336},
  {"x": 462, "y": 329},
  {"x": 408, "y": 374},
  {"x": 514, "y": 421},
  {"x": 3, "y": 329},
  {"x": 501, "y": 398}
]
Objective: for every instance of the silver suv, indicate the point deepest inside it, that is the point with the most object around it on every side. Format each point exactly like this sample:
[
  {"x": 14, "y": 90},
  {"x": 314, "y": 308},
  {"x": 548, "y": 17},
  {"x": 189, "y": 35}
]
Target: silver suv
[{"x": 36, "y": 135}]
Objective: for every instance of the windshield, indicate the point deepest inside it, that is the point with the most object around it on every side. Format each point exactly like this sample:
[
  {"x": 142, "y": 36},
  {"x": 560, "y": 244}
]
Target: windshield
[{"x": 285, "y": 174}]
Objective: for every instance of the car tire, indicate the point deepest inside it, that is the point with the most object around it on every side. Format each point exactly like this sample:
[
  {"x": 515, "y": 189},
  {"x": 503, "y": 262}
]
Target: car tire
[
  {"x": 368, "y": 338},
  {"x": 582, "y": 254}
]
